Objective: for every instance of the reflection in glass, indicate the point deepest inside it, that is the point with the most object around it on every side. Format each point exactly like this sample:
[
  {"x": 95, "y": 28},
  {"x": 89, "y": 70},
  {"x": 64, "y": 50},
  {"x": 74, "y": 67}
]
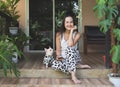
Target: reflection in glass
[{"x": 63, "y": 6}]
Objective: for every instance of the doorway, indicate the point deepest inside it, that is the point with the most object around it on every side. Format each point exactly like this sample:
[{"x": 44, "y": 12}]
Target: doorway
[{"x": 45, "y": 17}]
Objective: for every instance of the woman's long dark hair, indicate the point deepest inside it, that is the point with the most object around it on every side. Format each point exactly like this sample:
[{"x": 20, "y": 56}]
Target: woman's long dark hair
[{"x": 68, "y": 14}]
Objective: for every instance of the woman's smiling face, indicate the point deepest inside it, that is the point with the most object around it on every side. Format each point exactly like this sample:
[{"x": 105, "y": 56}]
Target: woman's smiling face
[{"x": 68, "y": 23}]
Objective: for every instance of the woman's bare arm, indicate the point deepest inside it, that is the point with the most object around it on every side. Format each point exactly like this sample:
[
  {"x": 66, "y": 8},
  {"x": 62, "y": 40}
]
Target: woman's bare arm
[
  {"x": 58, "y": 47},
  {"x": 72, "y": 41}
]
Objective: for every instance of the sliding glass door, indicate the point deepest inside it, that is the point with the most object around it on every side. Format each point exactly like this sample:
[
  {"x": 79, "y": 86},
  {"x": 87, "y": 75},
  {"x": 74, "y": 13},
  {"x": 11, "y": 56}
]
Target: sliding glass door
[
  {"x": 45, "y": 17},
  {"x": 41, "y": 24}
]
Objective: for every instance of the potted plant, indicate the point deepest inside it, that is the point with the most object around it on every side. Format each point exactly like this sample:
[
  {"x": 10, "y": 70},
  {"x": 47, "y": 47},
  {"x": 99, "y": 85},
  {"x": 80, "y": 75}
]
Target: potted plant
[
  {"x": 7, "y": 49},
  {"x": 108, "y": 14},
  {"x": 20, "y": 40},
  {"x": 9, "y": 8},
  {"x": 114, "y": 77}
]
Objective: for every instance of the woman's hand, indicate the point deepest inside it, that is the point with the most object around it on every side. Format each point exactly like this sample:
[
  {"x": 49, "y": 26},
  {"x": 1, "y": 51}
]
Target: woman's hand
[
  {"x": 59, "y": 58},
  {"x": 74, "y": 28}
]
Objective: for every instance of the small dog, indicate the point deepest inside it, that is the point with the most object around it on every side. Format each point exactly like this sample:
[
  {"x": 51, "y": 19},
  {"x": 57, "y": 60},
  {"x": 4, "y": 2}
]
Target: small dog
[{"x": 48, "y": 58}]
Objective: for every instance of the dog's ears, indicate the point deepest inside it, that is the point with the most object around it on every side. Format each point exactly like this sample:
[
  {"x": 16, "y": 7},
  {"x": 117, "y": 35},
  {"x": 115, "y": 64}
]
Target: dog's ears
[{"x": 45, "y": 49}]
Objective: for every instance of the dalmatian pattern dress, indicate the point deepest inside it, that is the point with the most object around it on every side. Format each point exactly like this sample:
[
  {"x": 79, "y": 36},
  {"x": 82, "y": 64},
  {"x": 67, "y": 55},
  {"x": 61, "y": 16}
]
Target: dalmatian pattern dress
[{"x": 71, "y": 57}]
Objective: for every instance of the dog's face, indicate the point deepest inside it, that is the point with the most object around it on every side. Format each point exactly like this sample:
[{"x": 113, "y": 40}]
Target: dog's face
[{"x": 49, "y": 51}]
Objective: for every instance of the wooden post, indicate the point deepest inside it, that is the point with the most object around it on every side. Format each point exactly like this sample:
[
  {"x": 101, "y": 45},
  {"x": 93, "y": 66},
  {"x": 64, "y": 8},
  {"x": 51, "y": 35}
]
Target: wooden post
[{"x": 108, "y": 46}]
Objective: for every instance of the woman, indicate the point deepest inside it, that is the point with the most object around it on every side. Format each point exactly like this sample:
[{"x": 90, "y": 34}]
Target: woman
[{"x": 67, "y": 54}]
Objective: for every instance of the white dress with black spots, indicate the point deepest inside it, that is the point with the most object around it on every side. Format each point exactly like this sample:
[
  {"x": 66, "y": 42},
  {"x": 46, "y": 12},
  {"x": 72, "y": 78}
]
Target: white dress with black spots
[{"x": 71, "y": 57}]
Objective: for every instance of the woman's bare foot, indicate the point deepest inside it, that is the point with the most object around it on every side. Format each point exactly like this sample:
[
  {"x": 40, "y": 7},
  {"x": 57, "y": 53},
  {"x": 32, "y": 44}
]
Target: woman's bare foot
[
  {"x": 74, "y": 78},
  {"x": 83, "y": 66},
  {"x": 76, "y": 81}
]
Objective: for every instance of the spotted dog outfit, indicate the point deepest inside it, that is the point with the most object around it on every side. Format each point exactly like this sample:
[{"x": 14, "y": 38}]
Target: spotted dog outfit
[
  {"x": 48, "y": 60},
  {"x": 71, "y": 57}
]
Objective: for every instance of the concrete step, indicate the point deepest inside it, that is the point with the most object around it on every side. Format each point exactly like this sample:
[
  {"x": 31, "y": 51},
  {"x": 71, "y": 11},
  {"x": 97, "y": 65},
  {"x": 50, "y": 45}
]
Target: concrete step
[
  {"x": 50, "y": 73},
  {"x": 48, "y": 82}
]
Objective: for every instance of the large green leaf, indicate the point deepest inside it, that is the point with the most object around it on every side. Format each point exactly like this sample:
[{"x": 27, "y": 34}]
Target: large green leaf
[
  {"x": 112, "y": 11},
  {"x": 117, "y": 34},
  {"x": 104, "y": 25},
  {"x": 115, "y": 51},
  {"x": 99, "y": 10}
]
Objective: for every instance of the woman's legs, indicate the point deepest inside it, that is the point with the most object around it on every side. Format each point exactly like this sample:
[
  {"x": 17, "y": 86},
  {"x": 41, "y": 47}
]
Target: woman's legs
[
  {"x": 71, "y": 64},
  {"x": 74, "y": 78}
]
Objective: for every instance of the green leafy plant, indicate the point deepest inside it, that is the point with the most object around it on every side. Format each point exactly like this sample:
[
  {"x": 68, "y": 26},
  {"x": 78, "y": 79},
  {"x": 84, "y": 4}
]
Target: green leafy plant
[
  {"x": 108, "y": 14},
  {"x": 9, "y": 8},
  {"x": 7, "y": 48}
]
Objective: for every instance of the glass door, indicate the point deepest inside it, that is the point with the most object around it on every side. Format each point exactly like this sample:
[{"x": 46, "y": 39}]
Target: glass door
[
  {"x": 40, "y": 24},
  {"x": 45, "y": 17}
]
